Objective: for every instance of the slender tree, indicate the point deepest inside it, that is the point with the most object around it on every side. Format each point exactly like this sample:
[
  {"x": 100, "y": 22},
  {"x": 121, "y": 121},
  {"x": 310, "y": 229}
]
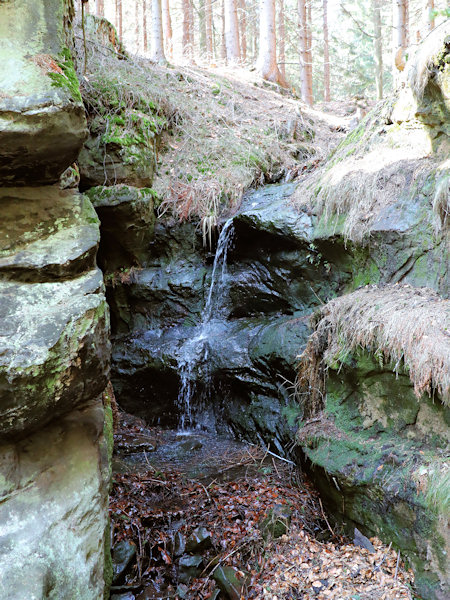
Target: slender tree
[
  {"x": 243, "y": 29},
  {"x": 399, "y": 34},
  {"x": 209, "y": 29},
  {"x": 309, "y": 62},
  {"x": 144, "y": 26},
  {"x": 223, "y": 45},
  {"x": 188, "y": 29},
  {"x": 306, "y": 87},
  {"x": 378, "y": 47},
  {"x": 430, "y": 10},
  {"x": 267, "y": 59},
  {"x": 326, "y": 54},
  {"x": 119, "y": 20},
  {"x": 232, "y": 32},
  {"x": 137, "y": 22},
  {"x": 100, "y": 8},
  {"x": 167, "y": 28},
  {"x": 281, "y": 40},
  {"x": 157, "y": 44}
]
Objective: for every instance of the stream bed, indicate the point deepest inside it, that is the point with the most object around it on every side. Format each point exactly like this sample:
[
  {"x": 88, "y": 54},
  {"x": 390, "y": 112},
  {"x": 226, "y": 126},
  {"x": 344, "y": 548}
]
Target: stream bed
[{"x": 199, "y": 516}]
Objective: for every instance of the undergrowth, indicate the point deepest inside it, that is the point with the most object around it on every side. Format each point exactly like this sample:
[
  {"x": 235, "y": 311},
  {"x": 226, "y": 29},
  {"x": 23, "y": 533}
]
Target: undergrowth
[{"x": 220, "y": 136}]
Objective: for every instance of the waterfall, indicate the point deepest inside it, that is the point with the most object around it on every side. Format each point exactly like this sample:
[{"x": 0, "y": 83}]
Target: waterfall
[{"x": 194, "y": 351}]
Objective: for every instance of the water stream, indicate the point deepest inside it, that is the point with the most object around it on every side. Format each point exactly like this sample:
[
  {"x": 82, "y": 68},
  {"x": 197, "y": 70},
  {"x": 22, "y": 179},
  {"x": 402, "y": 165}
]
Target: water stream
[{"x": 194, "y": 351}]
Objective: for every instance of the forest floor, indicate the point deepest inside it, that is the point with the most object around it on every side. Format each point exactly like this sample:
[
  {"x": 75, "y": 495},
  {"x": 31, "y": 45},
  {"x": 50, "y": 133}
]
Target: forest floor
[{"x": 204, "y": 515}]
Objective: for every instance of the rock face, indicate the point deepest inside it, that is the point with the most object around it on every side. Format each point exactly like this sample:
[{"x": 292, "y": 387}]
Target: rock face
[
  {"x": 55, "y": 432},
  {"x": 236, "y": 343},
  {"x": 42, "y": 123}
]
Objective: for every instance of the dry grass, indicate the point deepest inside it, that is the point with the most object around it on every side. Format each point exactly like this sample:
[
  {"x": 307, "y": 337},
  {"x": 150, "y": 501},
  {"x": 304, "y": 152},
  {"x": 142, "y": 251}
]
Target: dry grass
[
  {"x": 224, "y": 134},
  {"x": 402, "y": 326}
]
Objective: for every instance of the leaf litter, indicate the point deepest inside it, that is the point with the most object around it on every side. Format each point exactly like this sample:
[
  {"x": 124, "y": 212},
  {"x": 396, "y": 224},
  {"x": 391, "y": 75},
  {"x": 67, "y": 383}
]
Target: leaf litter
[{"x": 158, "y": 509}]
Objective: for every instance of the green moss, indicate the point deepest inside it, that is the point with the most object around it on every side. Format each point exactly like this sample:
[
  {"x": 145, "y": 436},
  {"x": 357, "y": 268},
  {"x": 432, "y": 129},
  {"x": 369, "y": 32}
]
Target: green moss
[{"x": 68, "y": 78}]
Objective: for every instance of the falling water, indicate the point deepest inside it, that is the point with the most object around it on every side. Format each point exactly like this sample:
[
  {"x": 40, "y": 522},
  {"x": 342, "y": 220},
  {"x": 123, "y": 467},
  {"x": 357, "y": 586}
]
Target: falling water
[{"x": 194, "y": 351}]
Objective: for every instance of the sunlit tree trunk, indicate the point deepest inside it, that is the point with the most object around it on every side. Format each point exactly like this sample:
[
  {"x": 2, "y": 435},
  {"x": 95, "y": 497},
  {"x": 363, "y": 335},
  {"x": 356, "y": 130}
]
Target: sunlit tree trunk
[
  {"x": 326, "y": 54},
  {"x": 243, "y": 30},
  {"x": 306, "y": 88},
  {"x": 309, "y": 60},
  {"x": 378, "y": 47},
  {"x": 167, "y": 28},
  {"x": 209, "y": 29},
  {"x": 188, "y": 26},
  {"x": 144, "y": 26},
  {"x": 267, "y": 59},
  {"x": 137, "y": 21},
  {"x": 119, "y": 21},
  {"x": 232, "y": 32},
  {"x": 223, "y": 45},
  {"x": 430, "y": 19},
  {"x": 157, "y": 44},
  {"x": 399, "y": 35},
  {"x": 281, "y": 40},
  {"x": 202, "y": 26},
  {"x": 100, "y": 8}
]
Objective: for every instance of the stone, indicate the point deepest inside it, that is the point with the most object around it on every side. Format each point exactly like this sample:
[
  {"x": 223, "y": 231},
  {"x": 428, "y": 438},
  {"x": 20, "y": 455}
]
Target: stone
[
  {"x": 48, "y": 234},
  {"x": 42, "y": 121},
  {"x": 189, "y": 566},
  {"x": 54, "y": 349},
  {"x": 277, "y": 521},
  {"x": 190, "y": 445},
  {"x": 127, "y": 219},
  {"x": 122, "y": 555},
  {"x": 229, "y": 581},
  {"x": 362, "y": 541},
  {"x": 179, "y": 544},
  {"x": 53, "y": 509},
  {"x": 199, "y": 540}
]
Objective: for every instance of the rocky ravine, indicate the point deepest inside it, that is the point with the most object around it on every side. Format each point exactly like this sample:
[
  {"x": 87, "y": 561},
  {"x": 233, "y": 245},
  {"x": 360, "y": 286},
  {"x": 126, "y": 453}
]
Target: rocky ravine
[{"x": 54, "y": 323}]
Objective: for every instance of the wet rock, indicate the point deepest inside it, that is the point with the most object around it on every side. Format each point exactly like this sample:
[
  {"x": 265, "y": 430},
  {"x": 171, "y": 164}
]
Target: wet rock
[
  {"x": 42, "y": 122},
  {"x": 122, "y": 555},
  {"x": 179, "y": 544},
  {"x": 230, "y": 582},
  {"x": 127, "y": 221},
  {"x": 153, "y": 591},
  {"x": 199, "y": 540},
  {"x": 189, "y": 566},
  {"x": 190, "y": 445},
  {"x": 124, "y": 596},
  {"x": 277, "y": 521},
  {"x": 136, "y": 442},
  {"x": 362, "y": 541}
]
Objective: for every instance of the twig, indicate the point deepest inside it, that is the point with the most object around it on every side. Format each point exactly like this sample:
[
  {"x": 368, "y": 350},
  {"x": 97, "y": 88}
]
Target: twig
[
  {"x": 384, "y": 556},
  {"x": 396, "y": 567},
  {"x": 326, "y": 520},
  {"x": 276, "y": 455}
]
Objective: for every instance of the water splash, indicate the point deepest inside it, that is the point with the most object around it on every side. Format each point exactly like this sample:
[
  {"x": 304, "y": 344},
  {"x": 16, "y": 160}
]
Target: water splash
[{"x": 194, "y": 352}]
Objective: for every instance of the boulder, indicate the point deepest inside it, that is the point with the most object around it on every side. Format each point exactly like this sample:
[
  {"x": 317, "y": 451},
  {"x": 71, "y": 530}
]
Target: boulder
[
  {"x": 53, "y": 509},
  {"x": 48, "y": 234},
  {"x": 54, "y": 349},
  {"x": 42, "y": 121}
]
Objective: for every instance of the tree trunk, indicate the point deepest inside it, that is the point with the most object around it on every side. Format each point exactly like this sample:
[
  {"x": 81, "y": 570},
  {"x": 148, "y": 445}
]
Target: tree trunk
[
  {"x": 223, "y": 45},
  {"x": 137, "y": 32},
  {"x": 326, "y": 54},
  {"x": 243, "y": 29},
  {"x": 157, "y": 43},
  {"x": 232, "y": 32},
  {"x": 306, "y": 91},
  {"x": 119, "y": 21},
  {"x": 188, "y": 38},
  {"x": 167, "y": 28},
  {"x": 144, "y": 26},
  {"x": 209, "y": 29},
  {"x": 399, "y": 35},
  {"x": 100, "y": 10},
  {"x": 430, "y": 19},
  {"x": 281, "y": 40},
  {"x": 309, "y": 59},
  {"x": 202, "y": 26},
  {"x": 378, "y": 47},
  {"x": 267, "y": 59}
]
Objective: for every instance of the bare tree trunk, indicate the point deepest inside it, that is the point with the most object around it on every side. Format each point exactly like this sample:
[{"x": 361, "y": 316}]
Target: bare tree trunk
[
  {"x": 209, "y": 29},
  {"x": 378, "y": 47},
  {"x": 309, "y": 61},
  {"x": 100, "y": 8},
  {"x": 223, "y": 45},
  {"x": 399, "y": 35},
  {"x": 243, "y": 29},
  {"x": 167, "y": 28},
  {"x": 191, "y": 28},
  {"x": 202, "y": 26},
  {"x": 187, "y": 40},
  {"x": 119, "y": 21},
  {"x": 232, "y": 32},
  {"x": 430, "y": 7},
  {"x": 267, "y": 60},
  {"x": 326, "y": 54},
  {"x": 157, "y": 43},
  {"x": 144, "y": 26},
  {"x": 137, "y": 32},
  {"x": 281, "y": 40},
  {"x": 303, "y": 53}
]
